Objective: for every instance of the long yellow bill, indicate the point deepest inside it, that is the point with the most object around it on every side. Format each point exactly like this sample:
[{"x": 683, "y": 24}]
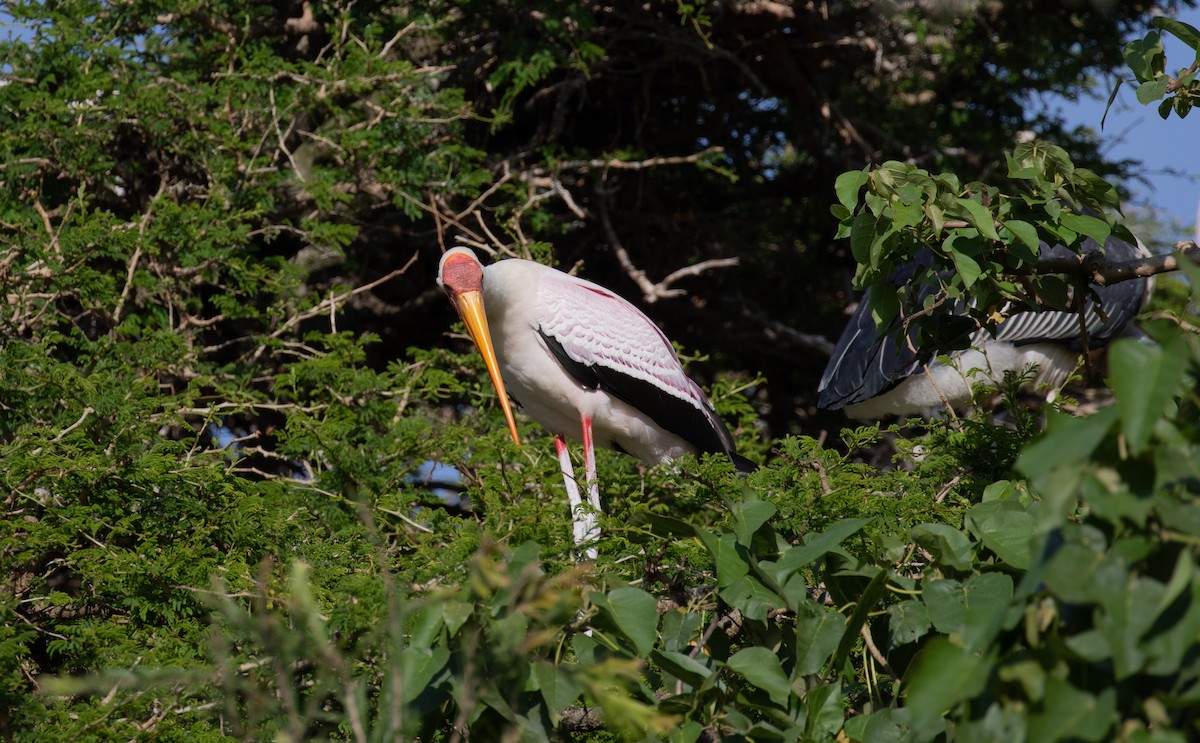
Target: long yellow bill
[{"x": 470, "y": 308}]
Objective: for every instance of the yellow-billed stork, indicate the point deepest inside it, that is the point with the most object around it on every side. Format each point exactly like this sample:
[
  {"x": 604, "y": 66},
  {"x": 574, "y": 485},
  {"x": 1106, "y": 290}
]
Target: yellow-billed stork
[
  {"x": 873, "y": 374},
  {"x": 584, "y": 363}
]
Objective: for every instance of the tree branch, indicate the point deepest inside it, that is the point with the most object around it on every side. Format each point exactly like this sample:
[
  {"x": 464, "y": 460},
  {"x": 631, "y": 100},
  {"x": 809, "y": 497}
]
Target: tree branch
[{"x": 1102, "y": 272}]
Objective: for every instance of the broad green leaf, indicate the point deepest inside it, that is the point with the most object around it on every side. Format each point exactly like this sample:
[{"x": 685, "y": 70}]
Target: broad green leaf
[
  {"x": 973, "y": 611},
  {"x": 455, "y": 614},
  {"x": 948, "y": 545},
  {"x": 762, "y": 669},
  {"x": 1005, "y": 528},
  {"x": 885, "y": 304},
  {"x": 1027, "y": 234},
  {"x": 1145, "y": 57},
  {"x": 731, "y": 563},
  {"x": 1085, "y": 224},
  {"x": 1129, "y": 612},
  {"x": 817, "y": 636},
  {"x": 749, "y": 596},
  {"x": 1068, "y": 439},
  {"x": 1183, "y": 31},
  {"x": 428, "y": 624},
  {"x": 980, "y": 217},
  {"x": 881, "y": 726},
  {"x": 683, "y": 667},
  {"x": 862, "y": 236},
  {"x": 825, "y": 714},
  {"x": 1067, "y": 713},
  {"x": 1144, "y": 379},
  {"x": 847, "y": 187},
  {"x": 908, "y": 621},
  {"x": 1152, "y": 91},
  {"x": 907, "y": 215},
  {"x": 688, "y": 732},
  {"x": 966, "y": 267},
  {"x": 635, "y": 613},
  {"x": 418, "y": 667},
  {"x": 749, "y": 517},
  {"x": 943, "y": 675},
  {"x": 1080, "y": 574},
  {"x": 559, "y": 688},
  {"x": 815, "y": 546}
]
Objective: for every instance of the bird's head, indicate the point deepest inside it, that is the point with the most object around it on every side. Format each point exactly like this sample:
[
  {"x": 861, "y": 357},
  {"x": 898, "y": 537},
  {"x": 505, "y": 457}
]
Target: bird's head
[{"x": 460, "y": 274}]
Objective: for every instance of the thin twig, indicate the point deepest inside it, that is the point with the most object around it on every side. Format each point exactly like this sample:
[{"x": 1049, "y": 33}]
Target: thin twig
[
  {"x": 86, "y": 412},
  {"x": 878, "y": 656}
]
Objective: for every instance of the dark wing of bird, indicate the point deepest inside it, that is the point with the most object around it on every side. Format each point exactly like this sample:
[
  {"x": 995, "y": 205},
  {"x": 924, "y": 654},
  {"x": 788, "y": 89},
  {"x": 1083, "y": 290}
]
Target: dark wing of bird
[{"x": 865, "y": 362}]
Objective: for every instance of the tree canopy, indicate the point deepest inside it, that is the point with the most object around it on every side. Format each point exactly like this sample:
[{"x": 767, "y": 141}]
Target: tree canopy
[{"x": 224, "y": 359}]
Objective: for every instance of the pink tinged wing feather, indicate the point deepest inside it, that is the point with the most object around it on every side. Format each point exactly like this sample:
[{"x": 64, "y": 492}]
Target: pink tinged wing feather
[{"x": 599, "y": 328}]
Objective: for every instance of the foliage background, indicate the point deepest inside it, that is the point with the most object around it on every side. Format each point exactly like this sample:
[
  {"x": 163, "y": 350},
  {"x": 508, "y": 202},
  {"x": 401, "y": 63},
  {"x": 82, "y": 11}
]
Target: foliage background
[{"x": 222, "y": 220}]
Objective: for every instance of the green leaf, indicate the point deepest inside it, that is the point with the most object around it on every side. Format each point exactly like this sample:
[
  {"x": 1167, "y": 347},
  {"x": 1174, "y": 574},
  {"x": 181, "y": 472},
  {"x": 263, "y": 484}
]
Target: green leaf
[
  {"x": 943, "y": 675},
  {"x": 418, "y": 667},
  {"x": 1145, "y": 56},
  {"x": 455, "y": 614},
  {"x": 1144, "y": 380},
  {"x": 815, "y": 546},
  {"x": 683, "y": 667},
  {"x": 731, "y": 563},
  {"x": 972, "y": 611},
  {"x": 559, "y": 688},
  {"x": 749, "y": 517},
  {"x": 1152, "y": 91},
  {"x": 885, "y": 303},
  {"x": 1026, "y": 233},
  {"x": 1067, "y": 713},
  {"x": 980, "y": 217},
  {"x": 909, "y": 621},
  {"x": 1093, "y": 227},
  {"x": 948, "y": 545},
  {"x": 1005, "y": 528},
  {"x": 848, "y": 185},
  {"x": 1067, "y": 440},
  {"x": 762, "y": 669},
  {"x": 635, "y": 613},
  {"x": 862, "y": 236},
  {"x": 817, "y": 635},
  {"x": 967, "y": 268},
  {"x": 1182, "y": 31},
  {"x": 825, "y": 714},
  {"x": 749, "y": 596},
  {"x": 1129, "y": 612}
]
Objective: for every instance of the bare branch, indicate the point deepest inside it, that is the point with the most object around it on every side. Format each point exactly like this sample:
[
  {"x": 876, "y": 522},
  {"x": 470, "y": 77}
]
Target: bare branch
[
  {"x": 328, "y": 304},
  {"x": 1102, "y": 272},
  {"x": 618, "y": 164}
]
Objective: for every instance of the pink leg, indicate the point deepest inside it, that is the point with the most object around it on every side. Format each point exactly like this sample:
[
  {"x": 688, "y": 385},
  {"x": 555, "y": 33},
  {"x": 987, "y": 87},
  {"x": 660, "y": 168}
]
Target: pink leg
[
  {"x": 584, "y": 526},
  {"x": 589, "y": 464}
]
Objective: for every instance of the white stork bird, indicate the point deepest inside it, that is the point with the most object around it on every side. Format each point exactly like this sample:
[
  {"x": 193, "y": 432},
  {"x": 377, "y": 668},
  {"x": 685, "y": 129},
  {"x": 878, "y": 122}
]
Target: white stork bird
[
  {"x": 584, "y": 363},
  {"x": 873, "y": 374}
]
